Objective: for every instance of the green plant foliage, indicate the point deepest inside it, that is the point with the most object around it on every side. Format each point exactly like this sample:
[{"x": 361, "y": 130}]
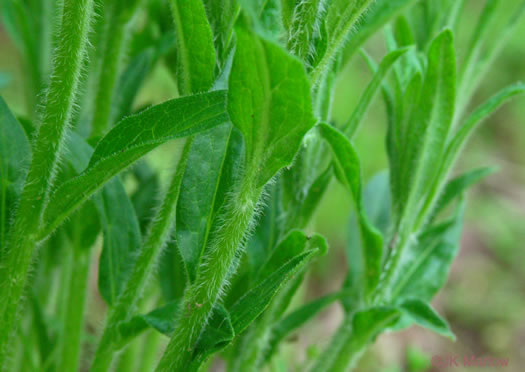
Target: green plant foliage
[{"x": 201, "y": 247}]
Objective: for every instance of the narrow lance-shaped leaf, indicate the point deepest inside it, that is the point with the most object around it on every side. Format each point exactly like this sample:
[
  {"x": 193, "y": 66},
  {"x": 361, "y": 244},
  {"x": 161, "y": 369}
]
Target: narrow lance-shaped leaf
[
  {"x": 253, "y": 303},
  {"x": 351, "y": 127},
  {"x": 348, "y": 171},
  {"x": 199, "y": 192},
  {"x": 222, "y": 15},
  {"x": 493, "y": 52},
  {"x": 122, "y": 239},
  {"x": 377, "y": 203},
  {"x": 131, "y": 139},
  {"x": 15, "y": 154},
  {"x": 430, "y": 126},
  {"x": 457, "y": 186},
  {"x": 425, "y": 267},
  {"x": 460, "y": 138},
  {"x": 424, "y": 315},
  {"x": 196, "y": 67},
  {"x": 474, "y": 49},
  {"x": 119, "y": 223},
  {"x": 269, "y": 101}
]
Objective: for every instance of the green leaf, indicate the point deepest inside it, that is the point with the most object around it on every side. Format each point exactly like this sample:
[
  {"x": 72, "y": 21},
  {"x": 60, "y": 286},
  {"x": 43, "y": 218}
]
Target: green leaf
[
  {"x": 122, "y": 240},
  {"x": 195, "y": 50},
  {"x": 121, "y": 231},
  {"x": 457, "y": 186},
  {"x": 269, "y": 101},
  {"x": 253, "y": 303},
  {"x": 297, "y": 318},
  {"x": 485, "y": 63},
  {"x": 199, "y": 189},
  {"x": 222, "y": 15},
  {"x": 424, "y": 315},
  {"x": 348, "y": 172},
  {"x": 15, "y": 155},
  {"x": 162, "y": 319},
  {"x": 377, "y": 203},
  {"x": 129, "y": 83},
  {"x": 425, "y": 266},
  {"x": 351, "y": 127},
  {"x": 301, "y": 26},
  {"x": 369, "y": 323},
  {"x": 430, "y": 127},
  {"x": 471, "y": 123},
  {"x": 218, "y": 334},
  {"x": 483, "y": 28},
  {"x": 145, "y": 198},
  {"x": 379, "y": 14},
  {"x": 131, "y": 139}
]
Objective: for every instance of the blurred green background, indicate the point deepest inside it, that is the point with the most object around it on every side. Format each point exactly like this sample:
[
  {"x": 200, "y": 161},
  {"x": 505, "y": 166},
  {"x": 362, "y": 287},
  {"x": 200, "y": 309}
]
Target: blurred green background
[{"x": 484, "y": 299}]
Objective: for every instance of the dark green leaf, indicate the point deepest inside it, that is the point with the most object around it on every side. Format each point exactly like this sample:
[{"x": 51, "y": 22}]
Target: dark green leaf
[
  {"x": 218, "y": 334},
  {"x": 351, "y": 127},
  {"x": 349, "y": 174},
  {"x": 481, "y": 113},
  {"x": 162, "y": 319},
  {"x": 222, "y": 15},
  {"x": 131, "y": 139},
  {"x": 424, "y": 315},
  {"x": 122, "y": 239},
  {"x": 15, "y": 155},
  {"x": 425, "y": 266},
  {"x": 377, "y": 203},
  {"x": 198, "y": 194},
  {"x": 195, "y": 50},
  {"x": 456, "y": 187},
  {"x": 269, "y": 101},
  {"x": 430, "y": 127},
  {"x": 253, "y": 303}
]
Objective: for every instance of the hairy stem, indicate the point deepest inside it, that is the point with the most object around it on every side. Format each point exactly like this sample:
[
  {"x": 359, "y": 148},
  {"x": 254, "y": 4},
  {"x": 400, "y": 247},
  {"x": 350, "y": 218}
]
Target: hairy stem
[
  {"x": 47, "y": 150},
  {"x": 212, "y": 276},
  {"x": 114, "y": 42},
  {"x": 148, "y": 256},
  {"x": 338, "y": 39}
]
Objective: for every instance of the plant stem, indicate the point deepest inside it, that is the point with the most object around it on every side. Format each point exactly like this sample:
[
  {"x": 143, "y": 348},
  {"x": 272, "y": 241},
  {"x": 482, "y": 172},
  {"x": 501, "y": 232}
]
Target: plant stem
[
  {"x": 343, "y": 351},
  {"x": 152, "y": 345},
  {"x": 336, "y": 43},
  {"x": 148, "y": 256},
  {"x": 114, "y": 42},
  {"x": 75, "y": 309},
  {"x": 47, "y": 150},
  {"x": 212, "y": 276}
]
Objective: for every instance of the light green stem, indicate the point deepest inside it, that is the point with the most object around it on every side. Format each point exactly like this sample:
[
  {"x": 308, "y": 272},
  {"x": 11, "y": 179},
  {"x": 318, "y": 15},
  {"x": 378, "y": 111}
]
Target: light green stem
[
  {"x": 148, "y": 256},
  {"x": 212, "y": 277},
  {"x": 75, "y": 309},
  {"x": 114, "y": 42},
  {"x": 47, "y": 150}
]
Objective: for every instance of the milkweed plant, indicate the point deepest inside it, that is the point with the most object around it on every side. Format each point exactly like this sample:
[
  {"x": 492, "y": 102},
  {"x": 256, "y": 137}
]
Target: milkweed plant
[{"x": 204, "y": 264}]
